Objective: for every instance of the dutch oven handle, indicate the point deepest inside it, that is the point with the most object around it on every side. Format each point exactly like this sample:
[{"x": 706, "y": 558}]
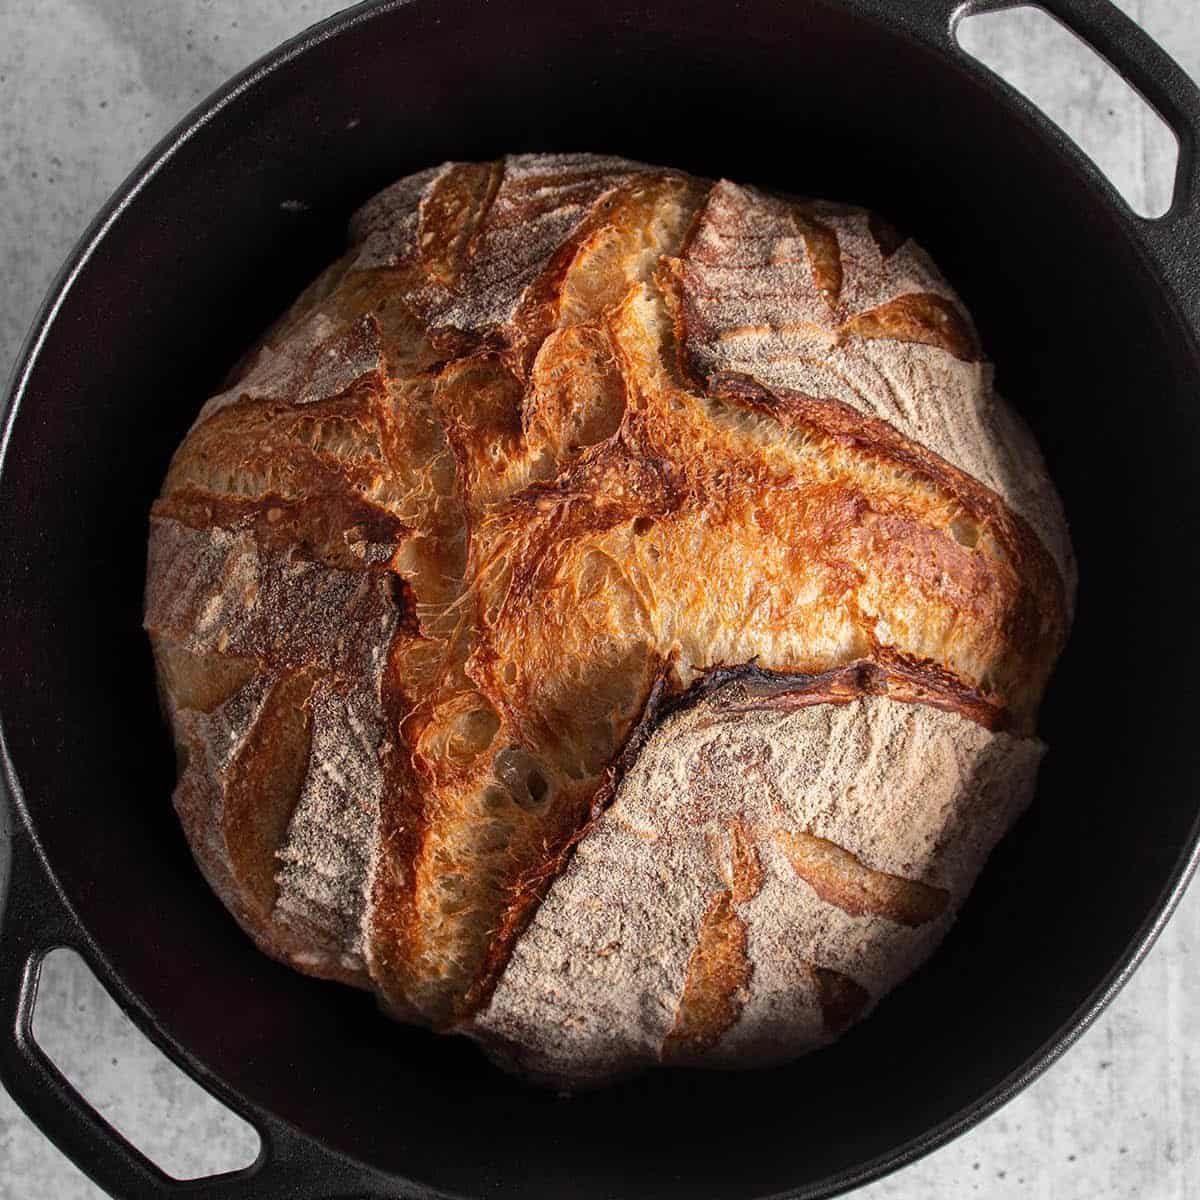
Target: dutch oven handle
[
  {"x": 1172, "y": 241},
  {"x": 35, "y": 919}
]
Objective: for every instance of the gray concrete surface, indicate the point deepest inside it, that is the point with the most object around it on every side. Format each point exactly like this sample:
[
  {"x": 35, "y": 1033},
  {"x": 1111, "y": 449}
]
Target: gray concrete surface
[{"x": 86, "y": 86}]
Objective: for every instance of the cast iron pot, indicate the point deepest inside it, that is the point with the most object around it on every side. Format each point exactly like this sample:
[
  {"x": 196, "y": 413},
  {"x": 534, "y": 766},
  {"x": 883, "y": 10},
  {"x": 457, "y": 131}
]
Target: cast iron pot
[{"x": 1092, "y": 316}]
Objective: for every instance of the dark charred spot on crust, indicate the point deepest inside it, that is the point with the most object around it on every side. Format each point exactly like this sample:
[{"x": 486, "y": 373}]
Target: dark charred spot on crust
[
  {"x": 921, "y": 681},
  {"x": 750, "y": 688},
  {"x": 843, "y": 1000},
  {"x": 404, "y": 598},
  {"x": 887, "y": 237}
]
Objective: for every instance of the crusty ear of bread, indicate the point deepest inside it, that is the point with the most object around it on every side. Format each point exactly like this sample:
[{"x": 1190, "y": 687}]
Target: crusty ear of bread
[{"x": 557, "y": 437}]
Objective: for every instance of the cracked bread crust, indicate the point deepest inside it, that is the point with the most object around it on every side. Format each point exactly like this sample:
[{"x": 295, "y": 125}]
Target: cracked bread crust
[{"x": 446, "y": 588}]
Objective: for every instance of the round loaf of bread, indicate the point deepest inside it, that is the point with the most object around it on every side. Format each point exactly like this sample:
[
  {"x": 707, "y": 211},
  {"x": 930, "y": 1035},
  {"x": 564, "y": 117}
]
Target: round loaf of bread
[{"x": 606, "y": 616}]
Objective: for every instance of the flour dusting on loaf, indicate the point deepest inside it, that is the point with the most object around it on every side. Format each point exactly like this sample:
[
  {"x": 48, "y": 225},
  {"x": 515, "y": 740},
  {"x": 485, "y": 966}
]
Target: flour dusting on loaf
[
  {"x": 596, "y": 983},
  {"x": 607, "y": 615},
  {"x": 764, "y": 294},
  {"x": 327, "y": 858}
]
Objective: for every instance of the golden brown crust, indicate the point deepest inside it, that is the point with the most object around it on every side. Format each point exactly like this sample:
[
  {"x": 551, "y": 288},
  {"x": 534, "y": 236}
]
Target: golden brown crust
[
  {"x": 464, "y": 529},
  {"x": 1044, "y": 616},
  {"x": 717, "y": 973},
  {"x": 838, "y": 877},
  {"x": 921, "y": 318},
  {"x": 752, "y": 297}
]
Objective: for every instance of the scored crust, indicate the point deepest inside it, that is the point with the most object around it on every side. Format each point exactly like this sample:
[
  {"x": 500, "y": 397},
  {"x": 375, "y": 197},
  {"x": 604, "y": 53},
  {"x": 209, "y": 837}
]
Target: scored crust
[
  {"x": 432, "y": 581},
  {"x": 778, "y": 853}
]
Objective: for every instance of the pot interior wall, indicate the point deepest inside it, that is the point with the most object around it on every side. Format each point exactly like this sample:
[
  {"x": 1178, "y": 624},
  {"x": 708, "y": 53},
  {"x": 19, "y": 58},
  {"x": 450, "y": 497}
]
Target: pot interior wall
[{"x": 804, "y": 96}]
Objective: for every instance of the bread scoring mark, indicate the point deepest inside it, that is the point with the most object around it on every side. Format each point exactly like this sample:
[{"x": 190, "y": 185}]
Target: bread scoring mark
[
  {"x": 339, "y": 531},
  {"x": 537, "y": 205},
  {"x": 263, "y": 787},
  {"x": 1006, "y": 538},
  {"x": 839, "y": 877},
  {"x": 717, "y": 976},
  {"x": 896, "y": 338},
  {"x": 197, "y": 681},
  {"x": 613, "y": 248},
  {"x": 870, "y": 436},
  {"x": 824, "y": 255},
  {"x": 843, "y": 1000},
  {"x": 745, "y": 865},
  {"x": 918, "y": 317},
  {"x": 384, "y": 231},
  {"x": 320, "y": 363},
  {"x": 217, "y": 590},
  {"x": 391, "y": 935},
  {"x": 338, "y": 451},
  {"x": 451, "y": 211}
]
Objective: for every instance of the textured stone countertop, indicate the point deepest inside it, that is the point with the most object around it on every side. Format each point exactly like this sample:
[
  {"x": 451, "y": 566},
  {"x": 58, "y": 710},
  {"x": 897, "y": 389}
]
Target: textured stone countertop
[{"x": 86, "y": 87}]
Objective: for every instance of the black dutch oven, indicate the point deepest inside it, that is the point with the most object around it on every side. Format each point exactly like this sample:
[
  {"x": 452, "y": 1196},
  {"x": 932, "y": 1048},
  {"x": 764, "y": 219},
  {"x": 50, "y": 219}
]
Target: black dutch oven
[{"x": 1092, "y": 315}]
